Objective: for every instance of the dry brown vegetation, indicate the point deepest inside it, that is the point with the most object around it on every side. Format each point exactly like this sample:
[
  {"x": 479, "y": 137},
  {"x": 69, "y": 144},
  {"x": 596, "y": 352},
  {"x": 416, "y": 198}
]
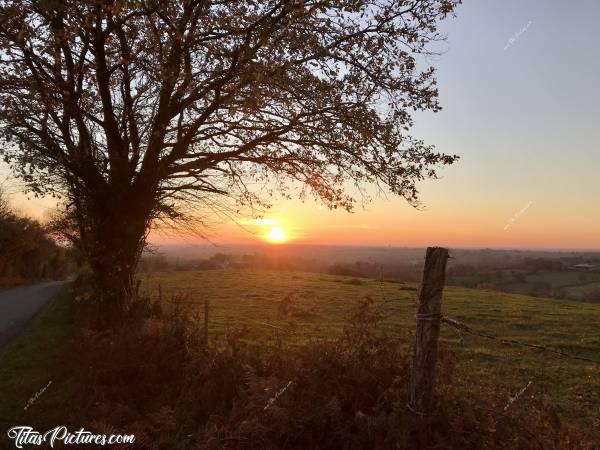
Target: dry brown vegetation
[
  {"x": 27, "y": 252},
  {"x": 155, "y": 377}
]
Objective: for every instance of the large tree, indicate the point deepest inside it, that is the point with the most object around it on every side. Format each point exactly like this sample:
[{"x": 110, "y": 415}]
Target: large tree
[{"x": 133, "y": 108}]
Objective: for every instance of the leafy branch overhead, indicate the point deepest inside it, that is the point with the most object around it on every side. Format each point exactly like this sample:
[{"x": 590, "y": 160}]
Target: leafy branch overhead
[
  {"x": 186, "y": 99},
  {"x": 138, "y": 110}
]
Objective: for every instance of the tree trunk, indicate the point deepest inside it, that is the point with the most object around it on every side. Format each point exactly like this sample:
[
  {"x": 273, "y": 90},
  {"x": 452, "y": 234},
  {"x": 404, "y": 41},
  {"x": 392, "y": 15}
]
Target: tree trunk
[{"x": 116, "y": 238}]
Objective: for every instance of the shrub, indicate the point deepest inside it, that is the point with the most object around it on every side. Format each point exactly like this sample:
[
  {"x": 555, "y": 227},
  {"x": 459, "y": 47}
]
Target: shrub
[
  {"x": 155, "y": 377},
  {"x": 27, "y": 252}
]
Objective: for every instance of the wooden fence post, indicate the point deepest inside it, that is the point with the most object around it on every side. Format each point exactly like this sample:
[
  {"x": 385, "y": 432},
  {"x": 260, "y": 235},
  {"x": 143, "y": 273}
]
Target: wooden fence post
[
  {"x": 137, "y": 288},
  {"x": 206, "y": 323},
  {"x": 428, "y": 329}
]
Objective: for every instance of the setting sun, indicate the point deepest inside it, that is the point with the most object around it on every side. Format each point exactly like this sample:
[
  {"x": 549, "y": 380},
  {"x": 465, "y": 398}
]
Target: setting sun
[{"x": 276, "y": 235}]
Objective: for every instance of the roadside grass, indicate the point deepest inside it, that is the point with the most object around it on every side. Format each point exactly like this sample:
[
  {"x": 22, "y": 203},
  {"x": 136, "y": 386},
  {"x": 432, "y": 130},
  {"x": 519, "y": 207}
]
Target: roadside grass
[
  {"x": 296, "y": 308},
  {"x": 37, "y": 363},
  {"x": 7, "y": 283},
  {"x": 7, "y": 287}
]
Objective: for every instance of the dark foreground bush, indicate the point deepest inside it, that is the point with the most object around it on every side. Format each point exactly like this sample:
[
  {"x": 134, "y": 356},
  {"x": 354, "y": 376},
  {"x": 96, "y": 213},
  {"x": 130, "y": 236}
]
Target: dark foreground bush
[
  {"x": 155, "y": 378},
  {"x": 27, "y": 252}
]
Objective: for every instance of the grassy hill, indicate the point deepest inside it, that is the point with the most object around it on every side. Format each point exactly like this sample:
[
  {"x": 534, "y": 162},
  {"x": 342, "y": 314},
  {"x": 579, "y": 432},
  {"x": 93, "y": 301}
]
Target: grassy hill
[
  {"x": 562, "y": 284},
  {"x": 296, "y": 307}
]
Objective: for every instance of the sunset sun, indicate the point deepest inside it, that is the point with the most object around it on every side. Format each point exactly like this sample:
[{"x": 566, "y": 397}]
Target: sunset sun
[{"x": 276, "y": 235}]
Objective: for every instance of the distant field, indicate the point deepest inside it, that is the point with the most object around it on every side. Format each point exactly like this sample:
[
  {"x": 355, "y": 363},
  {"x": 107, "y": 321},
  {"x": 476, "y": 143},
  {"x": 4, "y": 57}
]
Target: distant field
[
  {"x": 320, "y": 304},
  {"x": 574, "y": 284},
  {"x": 583, "y": 290}
]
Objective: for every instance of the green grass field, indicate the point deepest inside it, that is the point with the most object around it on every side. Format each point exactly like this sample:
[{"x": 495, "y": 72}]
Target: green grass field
[{"x": 321, "y": 304}]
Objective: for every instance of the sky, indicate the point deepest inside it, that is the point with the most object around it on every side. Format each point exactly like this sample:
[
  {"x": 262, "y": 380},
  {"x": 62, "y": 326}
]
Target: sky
[{"x": 518, "y": 83}]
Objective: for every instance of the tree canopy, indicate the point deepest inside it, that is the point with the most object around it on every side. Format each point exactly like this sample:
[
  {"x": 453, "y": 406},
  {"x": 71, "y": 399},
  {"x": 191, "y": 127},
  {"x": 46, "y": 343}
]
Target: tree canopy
[{"x": 133, "y": 108}]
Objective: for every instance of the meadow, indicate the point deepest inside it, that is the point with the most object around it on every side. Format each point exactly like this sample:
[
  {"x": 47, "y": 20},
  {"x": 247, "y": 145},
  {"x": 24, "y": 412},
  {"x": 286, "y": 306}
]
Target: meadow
[
  {"x": 566, "y": 283},
  {"x": 292, "y": 308}
]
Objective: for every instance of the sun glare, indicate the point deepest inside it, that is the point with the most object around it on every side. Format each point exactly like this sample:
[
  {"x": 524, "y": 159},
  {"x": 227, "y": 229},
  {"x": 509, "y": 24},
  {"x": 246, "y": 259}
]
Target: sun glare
[{"x": 276, "y": 235}]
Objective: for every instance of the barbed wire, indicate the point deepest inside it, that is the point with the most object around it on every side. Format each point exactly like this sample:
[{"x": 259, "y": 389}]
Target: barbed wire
[{"x": 461, "y": 327}]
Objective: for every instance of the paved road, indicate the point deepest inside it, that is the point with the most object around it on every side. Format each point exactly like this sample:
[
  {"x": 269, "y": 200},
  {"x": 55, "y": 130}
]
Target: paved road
[{"x": 18, "y": 306}]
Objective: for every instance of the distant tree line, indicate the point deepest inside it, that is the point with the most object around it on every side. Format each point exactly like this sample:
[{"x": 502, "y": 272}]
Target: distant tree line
[
  {"x": 27, "y": 252},
  {"x": 505, "y": 271},
  {"x": 387, "y": 271}
]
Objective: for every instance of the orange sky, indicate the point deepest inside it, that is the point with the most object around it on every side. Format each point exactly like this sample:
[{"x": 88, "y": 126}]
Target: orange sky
[
  {"x": 446, "y": 219},
  {"x": 457, "y": 212}
]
